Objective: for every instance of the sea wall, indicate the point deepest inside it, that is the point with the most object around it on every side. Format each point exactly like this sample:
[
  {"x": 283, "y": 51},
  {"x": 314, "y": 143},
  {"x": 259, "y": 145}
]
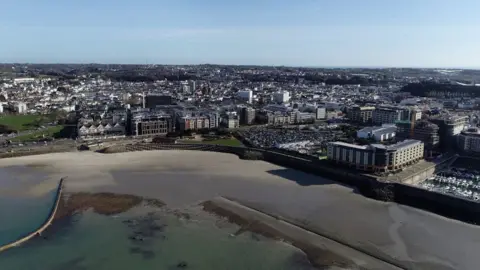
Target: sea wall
[
  {"x": 442, "y": 204},
  {"x": 45, "y": 225},
  {"x": 37, "y": 151}
]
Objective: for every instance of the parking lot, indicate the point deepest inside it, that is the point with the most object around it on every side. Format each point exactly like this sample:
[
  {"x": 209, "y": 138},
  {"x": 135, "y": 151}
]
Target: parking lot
[{"x": 303, "y": 140}]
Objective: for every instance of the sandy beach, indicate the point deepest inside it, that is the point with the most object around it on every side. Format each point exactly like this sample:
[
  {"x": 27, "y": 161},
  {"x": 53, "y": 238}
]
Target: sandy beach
[{"x": 415, "y": 238}]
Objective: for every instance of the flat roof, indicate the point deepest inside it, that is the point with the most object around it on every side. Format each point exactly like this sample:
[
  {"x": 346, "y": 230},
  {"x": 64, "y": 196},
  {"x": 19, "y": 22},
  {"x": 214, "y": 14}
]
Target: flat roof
[{"x": 361, "y": 147}]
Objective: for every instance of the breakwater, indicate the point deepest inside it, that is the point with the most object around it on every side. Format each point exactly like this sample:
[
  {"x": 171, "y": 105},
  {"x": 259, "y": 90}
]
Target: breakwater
[
  {"x": 45, "y": 224},
  {"x": 442, "y": 204}
]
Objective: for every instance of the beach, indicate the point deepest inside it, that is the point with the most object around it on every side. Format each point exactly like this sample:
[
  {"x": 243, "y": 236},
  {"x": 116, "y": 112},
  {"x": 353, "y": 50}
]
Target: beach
[{"x": 185, "y": 179}]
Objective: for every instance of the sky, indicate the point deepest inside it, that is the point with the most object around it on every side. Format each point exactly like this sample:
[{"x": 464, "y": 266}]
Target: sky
[{"x": 314, "y": 33}]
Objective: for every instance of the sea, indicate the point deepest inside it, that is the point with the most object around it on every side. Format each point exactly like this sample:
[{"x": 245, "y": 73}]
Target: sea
[{"x": 142, "y": 238}]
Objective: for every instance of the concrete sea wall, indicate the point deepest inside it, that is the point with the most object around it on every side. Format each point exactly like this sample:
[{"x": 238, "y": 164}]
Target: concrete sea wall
[
  {"x": 42, "y": 228},
  {"x": 442, "y": 204}
]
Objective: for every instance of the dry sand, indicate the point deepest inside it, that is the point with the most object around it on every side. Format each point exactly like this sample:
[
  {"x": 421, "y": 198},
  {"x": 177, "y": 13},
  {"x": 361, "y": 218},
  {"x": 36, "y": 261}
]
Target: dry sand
[{"x": 417, "y": 238}]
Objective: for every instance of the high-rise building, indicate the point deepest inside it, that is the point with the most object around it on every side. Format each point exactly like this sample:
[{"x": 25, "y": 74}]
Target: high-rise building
[
  {"x": 321, "y": 113},
  {"x": 281, "y": 97},
  {"x": 193, "y": 85},
  {"x": 247, "y": 116},
  {"x": 246, "y": 95},
  {"x": 449, "y": 127}
]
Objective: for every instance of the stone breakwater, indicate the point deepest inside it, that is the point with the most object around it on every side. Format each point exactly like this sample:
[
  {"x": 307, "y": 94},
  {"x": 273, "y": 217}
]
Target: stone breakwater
[
  {"x": 322, "y": 252},
  {"x": 45, "y": 225}
]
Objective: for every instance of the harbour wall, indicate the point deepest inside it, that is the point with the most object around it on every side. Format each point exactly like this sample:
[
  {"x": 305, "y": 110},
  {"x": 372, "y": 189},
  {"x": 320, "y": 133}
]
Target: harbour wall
[
  {"x": 369, "y": 186},
  {"x": 44, "y": 226}
]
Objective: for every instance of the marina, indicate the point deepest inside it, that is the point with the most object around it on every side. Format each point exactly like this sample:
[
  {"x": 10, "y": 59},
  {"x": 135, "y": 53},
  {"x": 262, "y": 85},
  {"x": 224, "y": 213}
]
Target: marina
[{"x": 455, "y": 181}]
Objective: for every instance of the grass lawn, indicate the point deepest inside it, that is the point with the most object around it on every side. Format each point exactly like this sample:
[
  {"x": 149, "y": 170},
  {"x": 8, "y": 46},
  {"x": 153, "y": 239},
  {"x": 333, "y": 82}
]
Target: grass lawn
[
  {"x": 227, "y": 142},
  {"x": 24, "y": 122},
  {"x": 49, "y": 132}
]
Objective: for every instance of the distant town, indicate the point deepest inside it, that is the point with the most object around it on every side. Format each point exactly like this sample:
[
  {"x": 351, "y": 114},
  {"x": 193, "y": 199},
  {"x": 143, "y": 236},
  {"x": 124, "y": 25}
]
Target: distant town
[{"x": 378, "y": 121}]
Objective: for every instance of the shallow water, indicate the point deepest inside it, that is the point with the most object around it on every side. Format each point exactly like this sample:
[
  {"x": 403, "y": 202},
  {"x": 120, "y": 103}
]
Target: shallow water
[
  {"x": 21, "y": 213},
  {"x": 92, "y": 241}
]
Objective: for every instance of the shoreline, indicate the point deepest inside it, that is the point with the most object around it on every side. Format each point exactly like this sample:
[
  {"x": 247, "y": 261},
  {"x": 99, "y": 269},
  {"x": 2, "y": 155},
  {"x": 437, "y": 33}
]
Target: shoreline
[
  {"x": 187, "y": 178},
  {"x": 43, "y": 227}
]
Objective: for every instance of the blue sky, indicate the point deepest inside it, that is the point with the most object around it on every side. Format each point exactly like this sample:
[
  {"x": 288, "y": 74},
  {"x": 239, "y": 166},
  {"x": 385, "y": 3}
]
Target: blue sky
[{"x": 370, "y": 33}]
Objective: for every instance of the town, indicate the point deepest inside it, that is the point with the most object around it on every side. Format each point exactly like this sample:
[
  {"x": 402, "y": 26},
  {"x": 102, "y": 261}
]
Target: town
[{"x": 385, "y": 122}]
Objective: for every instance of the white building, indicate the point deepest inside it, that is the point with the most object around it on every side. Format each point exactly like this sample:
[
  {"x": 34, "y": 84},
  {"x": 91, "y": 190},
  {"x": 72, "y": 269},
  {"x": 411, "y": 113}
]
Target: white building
[
  {"x": 246, "y": 95},
  {"x": 21, "y": 107},
  {"x": 321, "y": 113},
  {"x": 281, "y": 97},
  {"x": 379, "y": 134},
  {"x": 23, "y": 80}
]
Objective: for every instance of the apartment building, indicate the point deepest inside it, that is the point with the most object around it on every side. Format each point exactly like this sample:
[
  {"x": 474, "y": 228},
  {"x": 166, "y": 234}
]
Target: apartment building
[
  {"x": 376, "y": 157},
  {"x": 449, "y": 127},
  {"x": 469, "y": 140},
  {"x": 360, "y": 114},
  {"x": 393, "y": 114},
  {"x": 150, "y": 123},
  {"x": 386, "y": 115},
  {"x": 194, "y": 123},
  {"x": 423, "y": 130}
]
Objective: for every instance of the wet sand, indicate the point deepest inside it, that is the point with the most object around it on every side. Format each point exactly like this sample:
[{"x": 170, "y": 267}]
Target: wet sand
[{"x": 415, "y": 238}]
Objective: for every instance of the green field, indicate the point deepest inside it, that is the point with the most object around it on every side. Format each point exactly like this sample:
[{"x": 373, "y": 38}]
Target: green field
[
  {"x": 24, "y": 122},
  {"x": 228, "y": 142},
  {"x": 49, "y": 132}
]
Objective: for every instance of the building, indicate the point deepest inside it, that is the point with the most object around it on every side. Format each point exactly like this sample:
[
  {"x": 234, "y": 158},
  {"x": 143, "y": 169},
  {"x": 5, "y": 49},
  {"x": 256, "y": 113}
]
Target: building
[
  {"x": 246, "y": 95},
  {"x": 386, "y": 115},
  {"x": 247, "y": 116},
  {"x": 281, "y": 97},
  {"x": 378, "y": 134},
  {"x": 197, "y": 122},
  {"x": 376, "y": 157},
  {"x": 449, "y": 127},
  {"x": 302, "y": 117},
  {"x": 193, "y": 85},
  {"x": 321, "y": 113},
  {"x": 231, "y": 121},
  {"x": 150, "y": 123},
  {"x": 361, "y": 114},
  {"x": 469, "y": 141},
  {"x": 89, "y": 129},
  {"x": 23, "y": 80},
  {"x": 21, "y": 107},
  {"x": 151, "y": 100},
  {"x": 392, "y": 114},
  {"x": 423, "y": 130}
]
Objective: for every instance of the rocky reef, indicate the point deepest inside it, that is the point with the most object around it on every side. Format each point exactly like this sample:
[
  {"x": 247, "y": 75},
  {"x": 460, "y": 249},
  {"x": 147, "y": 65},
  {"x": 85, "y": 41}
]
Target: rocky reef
[{"x": 101, "y": 203}]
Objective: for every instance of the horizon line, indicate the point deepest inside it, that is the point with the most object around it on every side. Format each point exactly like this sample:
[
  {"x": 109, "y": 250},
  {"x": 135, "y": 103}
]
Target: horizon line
[{"x": 256, "y": 65}]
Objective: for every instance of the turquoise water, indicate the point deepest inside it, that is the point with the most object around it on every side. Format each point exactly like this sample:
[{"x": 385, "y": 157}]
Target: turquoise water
[
  {"x": 92, "y": 241},
  {"x": 20, "y": 215}
]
